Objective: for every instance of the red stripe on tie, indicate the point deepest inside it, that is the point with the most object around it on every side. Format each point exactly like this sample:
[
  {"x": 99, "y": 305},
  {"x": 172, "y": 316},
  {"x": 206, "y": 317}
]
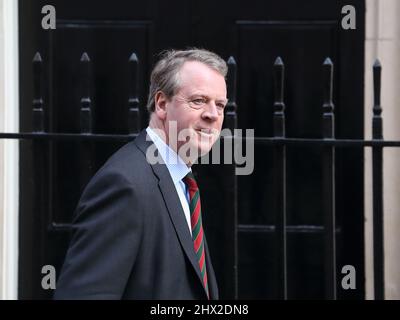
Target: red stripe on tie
[
  {"x": 205, "y": 281},
  {"x": 202, "y": 260},
  {"x": 198, "y": 240},
  {"x": 196, "y": 215}
]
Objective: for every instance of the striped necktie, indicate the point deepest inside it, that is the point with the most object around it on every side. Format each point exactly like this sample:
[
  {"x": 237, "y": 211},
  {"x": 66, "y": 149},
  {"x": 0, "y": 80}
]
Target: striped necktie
[{"x": 197, "y": 227}]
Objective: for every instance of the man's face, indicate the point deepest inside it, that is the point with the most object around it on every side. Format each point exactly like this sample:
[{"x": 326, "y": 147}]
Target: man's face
[{"x": 198, "y": 107}]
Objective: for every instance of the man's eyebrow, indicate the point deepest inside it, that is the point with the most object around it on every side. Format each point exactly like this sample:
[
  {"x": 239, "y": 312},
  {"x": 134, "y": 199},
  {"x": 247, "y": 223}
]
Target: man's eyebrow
[
  {"x": 194, "y": 95},
  {"x": 202, "y": 95},
  {"x": 199, "y": 93}
]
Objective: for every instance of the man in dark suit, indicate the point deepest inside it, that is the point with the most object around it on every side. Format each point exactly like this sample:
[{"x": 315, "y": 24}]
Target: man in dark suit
[{"x": 138, "y": 233}]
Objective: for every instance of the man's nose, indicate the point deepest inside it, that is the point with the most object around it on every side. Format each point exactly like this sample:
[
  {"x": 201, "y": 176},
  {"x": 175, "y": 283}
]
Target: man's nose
[{"x": 211, "y": 112}]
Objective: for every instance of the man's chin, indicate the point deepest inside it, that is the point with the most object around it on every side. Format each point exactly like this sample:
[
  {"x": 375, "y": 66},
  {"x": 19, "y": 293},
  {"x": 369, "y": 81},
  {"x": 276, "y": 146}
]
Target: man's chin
[
  {"x": 198, "y": 146},
  {"x": 204, "y": 149}
]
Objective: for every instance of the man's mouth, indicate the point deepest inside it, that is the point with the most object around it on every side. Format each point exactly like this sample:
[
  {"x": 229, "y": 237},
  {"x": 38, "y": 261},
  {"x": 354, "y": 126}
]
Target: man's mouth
[{"x": 206, "y": 132}]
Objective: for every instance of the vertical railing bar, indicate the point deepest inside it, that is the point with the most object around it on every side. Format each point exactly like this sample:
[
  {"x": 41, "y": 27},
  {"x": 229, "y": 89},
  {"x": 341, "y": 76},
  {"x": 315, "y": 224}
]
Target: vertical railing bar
[
  {"x": 39, "y": 165},
  {"x": 37, "y": 103},
  {"x": 52, "y": 145},
  {"x": 329, "y": 182},
  {"x": 86, "y": 119},
  {"x": 377, "y": 188},
  {"x": 133, "y": 101},
  {"x": 231, "y": 218},
  {"x": 280, "y": 179}
]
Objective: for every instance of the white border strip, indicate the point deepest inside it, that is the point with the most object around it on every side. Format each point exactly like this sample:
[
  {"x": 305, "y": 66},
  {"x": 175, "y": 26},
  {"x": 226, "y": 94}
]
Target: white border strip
[{"x": 9, "y": 241}]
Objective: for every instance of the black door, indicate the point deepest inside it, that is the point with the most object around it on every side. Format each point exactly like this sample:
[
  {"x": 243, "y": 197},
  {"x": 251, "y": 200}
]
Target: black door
[{"x": 303, "y": 33}]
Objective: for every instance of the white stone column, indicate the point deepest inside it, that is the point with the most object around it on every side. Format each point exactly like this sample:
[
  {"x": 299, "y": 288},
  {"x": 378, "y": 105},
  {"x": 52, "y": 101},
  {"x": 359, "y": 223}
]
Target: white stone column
[{"x": 9, "y": 156}]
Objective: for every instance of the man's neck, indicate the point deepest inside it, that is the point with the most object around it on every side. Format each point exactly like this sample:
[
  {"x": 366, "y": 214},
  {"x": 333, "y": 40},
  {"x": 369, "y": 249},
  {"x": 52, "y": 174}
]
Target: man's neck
[{"x": 160, "y": 132}]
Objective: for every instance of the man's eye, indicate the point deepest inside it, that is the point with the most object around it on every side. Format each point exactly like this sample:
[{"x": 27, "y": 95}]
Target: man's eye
[
  {"x": 221, "y": 105},
  {"x": 199, "y": 101}
]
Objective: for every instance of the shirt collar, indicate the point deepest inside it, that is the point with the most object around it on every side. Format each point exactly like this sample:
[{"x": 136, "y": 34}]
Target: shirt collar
[{"x": 176, "y": 166}]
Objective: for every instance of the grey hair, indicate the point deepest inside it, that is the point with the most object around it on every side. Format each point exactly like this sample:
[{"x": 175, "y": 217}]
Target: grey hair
[{"x": 164, "y": 76}]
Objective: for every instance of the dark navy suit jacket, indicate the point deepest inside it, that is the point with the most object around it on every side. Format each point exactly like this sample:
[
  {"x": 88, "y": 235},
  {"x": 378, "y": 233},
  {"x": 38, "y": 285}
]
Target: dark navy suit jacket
[{"x": 130, "y": 238}]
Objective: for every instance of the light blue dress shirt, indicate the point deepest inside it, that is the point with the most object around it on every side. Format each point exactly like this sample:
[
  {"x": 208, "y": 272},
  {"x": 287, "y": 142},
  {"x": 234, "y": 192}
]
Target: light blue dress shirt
[{"x": 177, "y": 169}]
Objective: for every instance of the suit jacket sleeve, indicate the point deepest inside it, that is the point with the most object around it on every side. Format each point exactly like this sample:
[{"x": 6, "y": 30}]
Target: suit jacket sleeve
[{"x": 105, "y": 240}]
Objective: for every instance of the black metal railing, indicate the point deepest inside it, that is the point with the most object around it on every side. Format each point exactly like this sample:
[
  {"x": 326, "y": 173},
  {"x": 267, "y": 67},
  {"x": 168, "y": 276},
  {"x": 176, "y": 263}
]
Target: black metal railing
[{"x": 279, "y": 142}]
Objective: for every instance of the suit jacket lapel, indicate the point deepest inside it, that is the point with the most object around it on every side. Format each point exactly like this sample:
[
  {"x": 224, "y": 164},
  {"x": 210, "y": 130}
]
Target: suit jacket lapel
[{"x": 173, "y": 205}]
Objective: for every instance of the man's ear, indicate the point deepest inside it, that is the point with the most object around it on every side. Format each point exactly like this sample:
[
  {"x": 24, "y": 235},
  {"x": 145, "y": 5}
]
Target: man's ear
[{"x": 160, "y": 104}]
